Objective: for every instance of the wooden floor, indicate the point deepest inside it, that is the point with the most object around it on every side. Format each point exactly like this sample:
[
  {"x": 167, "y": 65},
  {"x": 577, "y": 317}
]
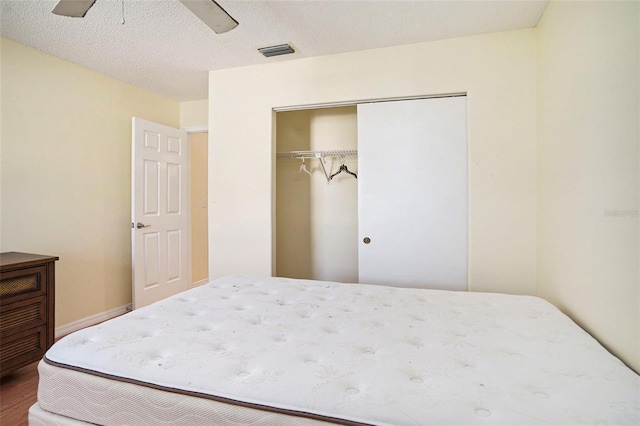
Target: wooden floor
[{"x": 18, "y": 392}]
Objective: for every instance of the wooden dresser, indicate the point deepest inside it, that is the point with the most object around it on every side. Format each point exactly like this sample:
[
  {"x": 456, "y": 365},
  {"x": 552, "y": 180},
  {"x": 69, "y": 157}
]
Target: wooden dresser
[{"x": 27, "y": 302}]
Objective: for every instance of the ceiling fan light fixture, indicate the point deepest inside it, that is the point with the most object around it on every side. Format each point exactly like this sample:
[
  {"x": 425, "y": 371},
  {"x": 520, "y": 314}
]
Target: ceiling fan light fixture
[
  {"x": 212, "y": 14},
  {"x": 281, "y": 49},
  {"x": 208, "y": 11},
  {"x": 73, "y": 8}
]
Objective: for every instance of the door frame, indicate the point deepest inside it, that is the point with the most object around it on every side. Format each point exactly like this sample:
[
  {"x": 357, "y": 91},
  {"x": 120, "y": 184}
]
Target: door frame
[
  {"x": 190, "y": 131},
  {"x": 284, "y": 108},
  {"x": 365, "y": 101}
]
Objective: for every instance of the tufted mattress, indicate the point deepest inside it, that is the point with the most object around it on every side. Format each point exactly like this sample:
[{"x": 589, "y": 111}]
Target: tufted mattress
[{"x": 276, "y": 351}]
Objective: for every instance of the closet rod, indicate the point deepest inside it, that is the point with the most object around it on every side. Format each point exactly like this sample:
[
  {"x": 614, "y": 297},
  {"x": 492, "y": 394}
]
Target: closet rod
[{"x": 333, "y": 153}]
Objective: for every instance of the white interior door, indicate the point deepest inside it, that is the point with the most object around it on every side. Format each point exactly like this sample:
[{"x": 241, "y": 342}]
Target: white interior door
[
  {"x": 412, "y": 193},
  {"x": 160, "y": 212}
]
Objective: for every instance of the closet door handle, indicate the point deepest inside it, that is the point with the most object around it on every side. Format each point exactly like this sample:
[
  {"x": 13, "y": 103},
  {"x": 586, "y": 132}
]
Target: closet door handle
[{"x": 366, "y": 240}]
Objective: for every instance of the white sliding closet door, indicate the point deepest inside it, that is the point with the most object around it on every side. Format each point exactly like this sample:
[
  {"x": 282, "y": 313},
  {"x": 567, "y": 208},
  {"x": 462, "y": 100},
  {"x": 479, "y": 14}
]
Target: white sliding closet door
[{"x": 412, "y": 193}]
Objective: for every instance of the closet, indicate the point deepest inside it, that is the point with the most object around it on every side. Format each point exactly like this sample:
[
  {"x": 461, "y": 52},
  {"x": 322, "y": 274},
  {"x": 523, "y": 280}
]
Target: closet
[{"x": 402, "y": 221}]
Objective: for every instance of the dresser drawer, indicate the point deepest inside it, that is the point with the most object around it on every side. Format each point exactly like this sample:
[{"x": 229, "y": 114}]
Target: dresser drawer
[
  {"x": 22, "y": 348},
  {"x": 28, "y": 282},
  {"x": 27, "y": 308},
  {"x": 21, "y": 315}
]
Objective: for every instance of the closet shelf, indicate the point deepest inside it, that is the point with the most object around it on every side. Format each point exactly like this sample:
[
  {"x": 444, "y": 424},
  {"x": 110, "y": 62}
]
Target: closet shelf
[{"x": 332, "y": 153}]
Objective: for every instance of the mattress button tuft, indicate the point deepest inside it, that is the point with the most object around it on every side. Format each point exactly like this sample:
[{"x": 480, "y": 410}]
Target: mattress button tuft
[{"x": 483, "y": 412}]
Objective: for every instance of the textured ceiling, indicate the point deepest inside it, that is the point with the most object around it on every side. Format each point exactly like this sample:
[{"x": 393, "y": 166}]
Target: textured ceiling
[{"x": 164, "y": 48}]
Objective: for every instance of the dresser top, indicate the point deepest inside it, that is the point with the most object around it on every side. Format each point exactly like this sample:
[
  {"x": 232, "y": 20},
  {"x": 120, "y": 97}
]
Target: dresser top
[{"x": 14, "y": 258}]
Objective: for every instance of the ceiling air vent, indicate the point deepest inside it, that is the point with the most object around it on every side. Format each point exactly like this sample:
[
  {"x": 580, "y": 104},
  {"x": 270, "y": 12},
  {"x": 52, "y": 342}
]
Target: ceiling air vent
[{"x": 282, "y": 49}]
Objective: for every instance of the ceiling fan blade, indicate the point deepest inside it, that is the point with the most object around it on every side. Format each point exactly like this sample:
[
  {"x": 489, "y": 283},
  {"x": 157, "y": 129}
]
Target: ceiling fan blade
[
  {"x": 73, "y": 8},
  {"x": 212, "y": 14}
]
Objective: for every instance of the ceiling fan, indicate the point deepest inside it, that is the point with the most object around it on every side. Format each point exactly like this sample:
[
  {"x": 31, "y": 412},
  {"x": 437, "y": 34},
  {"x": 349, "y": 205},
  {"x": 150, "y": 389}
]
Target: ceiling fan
[{"x": 210, "y": 12}]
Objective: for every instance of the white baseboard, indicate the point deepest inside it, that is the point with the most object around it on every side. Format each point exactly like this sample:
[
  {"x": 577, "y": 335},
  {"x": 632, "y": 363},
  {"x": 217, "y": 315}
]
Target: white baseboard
[{"x": 89, "y": 321}]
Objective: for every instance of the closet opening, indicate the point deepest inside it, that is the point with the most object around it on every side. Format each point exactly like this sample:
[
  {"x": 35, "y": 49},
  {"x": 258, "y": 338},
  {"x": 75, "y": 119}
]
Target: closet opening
[
  {"x": 395, "y": 212},
  {"x": 316, "y": 229}
]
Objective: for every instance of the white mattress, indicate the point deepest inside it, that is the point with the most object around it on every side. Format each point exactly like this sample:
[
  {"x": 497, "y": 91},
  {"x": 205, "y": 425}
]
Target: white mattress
[
  {"x": 350, "y": 353},
  {"x": 69, "y": 394}
]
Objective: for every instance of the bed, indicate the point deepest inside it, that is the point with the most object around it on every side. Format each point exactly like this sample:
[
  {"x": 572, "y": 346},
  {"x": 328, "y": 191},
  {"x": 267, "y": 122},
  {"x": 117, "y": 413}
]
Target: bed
[{"x": 276, "y": 351}]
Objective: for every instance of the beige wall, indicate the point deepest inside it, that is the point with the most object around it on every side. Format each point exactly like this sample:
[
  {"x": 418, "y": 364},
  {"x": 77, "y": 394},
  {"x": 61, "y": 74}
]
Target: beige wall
[
  {"x": 199, "y": 216},
  {"x": 194, "y": 115},
  {"x": 498, "y": 71},
  {"x": 65, "y": 173},
  {"x": 316, "y": 222},
  {"x": 588, "y": 94}
]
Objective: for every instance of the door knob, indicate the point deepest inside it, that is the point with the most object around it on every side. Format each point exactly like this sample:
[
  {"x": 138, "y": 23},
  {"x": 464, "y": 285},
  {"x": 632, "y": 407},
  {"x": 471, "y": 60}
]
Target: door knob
[
  {"x": 366, "y": 240},
  {"x": 141, "y": 225}
]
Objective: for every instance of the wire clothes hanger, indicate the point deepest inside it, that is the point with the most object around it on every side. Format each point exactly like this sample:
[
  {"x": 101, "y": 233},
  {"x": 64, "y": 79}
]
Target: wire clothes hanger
[
  {"x": 343, "y": 168},
  {"x": 303, "y": 168}
]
